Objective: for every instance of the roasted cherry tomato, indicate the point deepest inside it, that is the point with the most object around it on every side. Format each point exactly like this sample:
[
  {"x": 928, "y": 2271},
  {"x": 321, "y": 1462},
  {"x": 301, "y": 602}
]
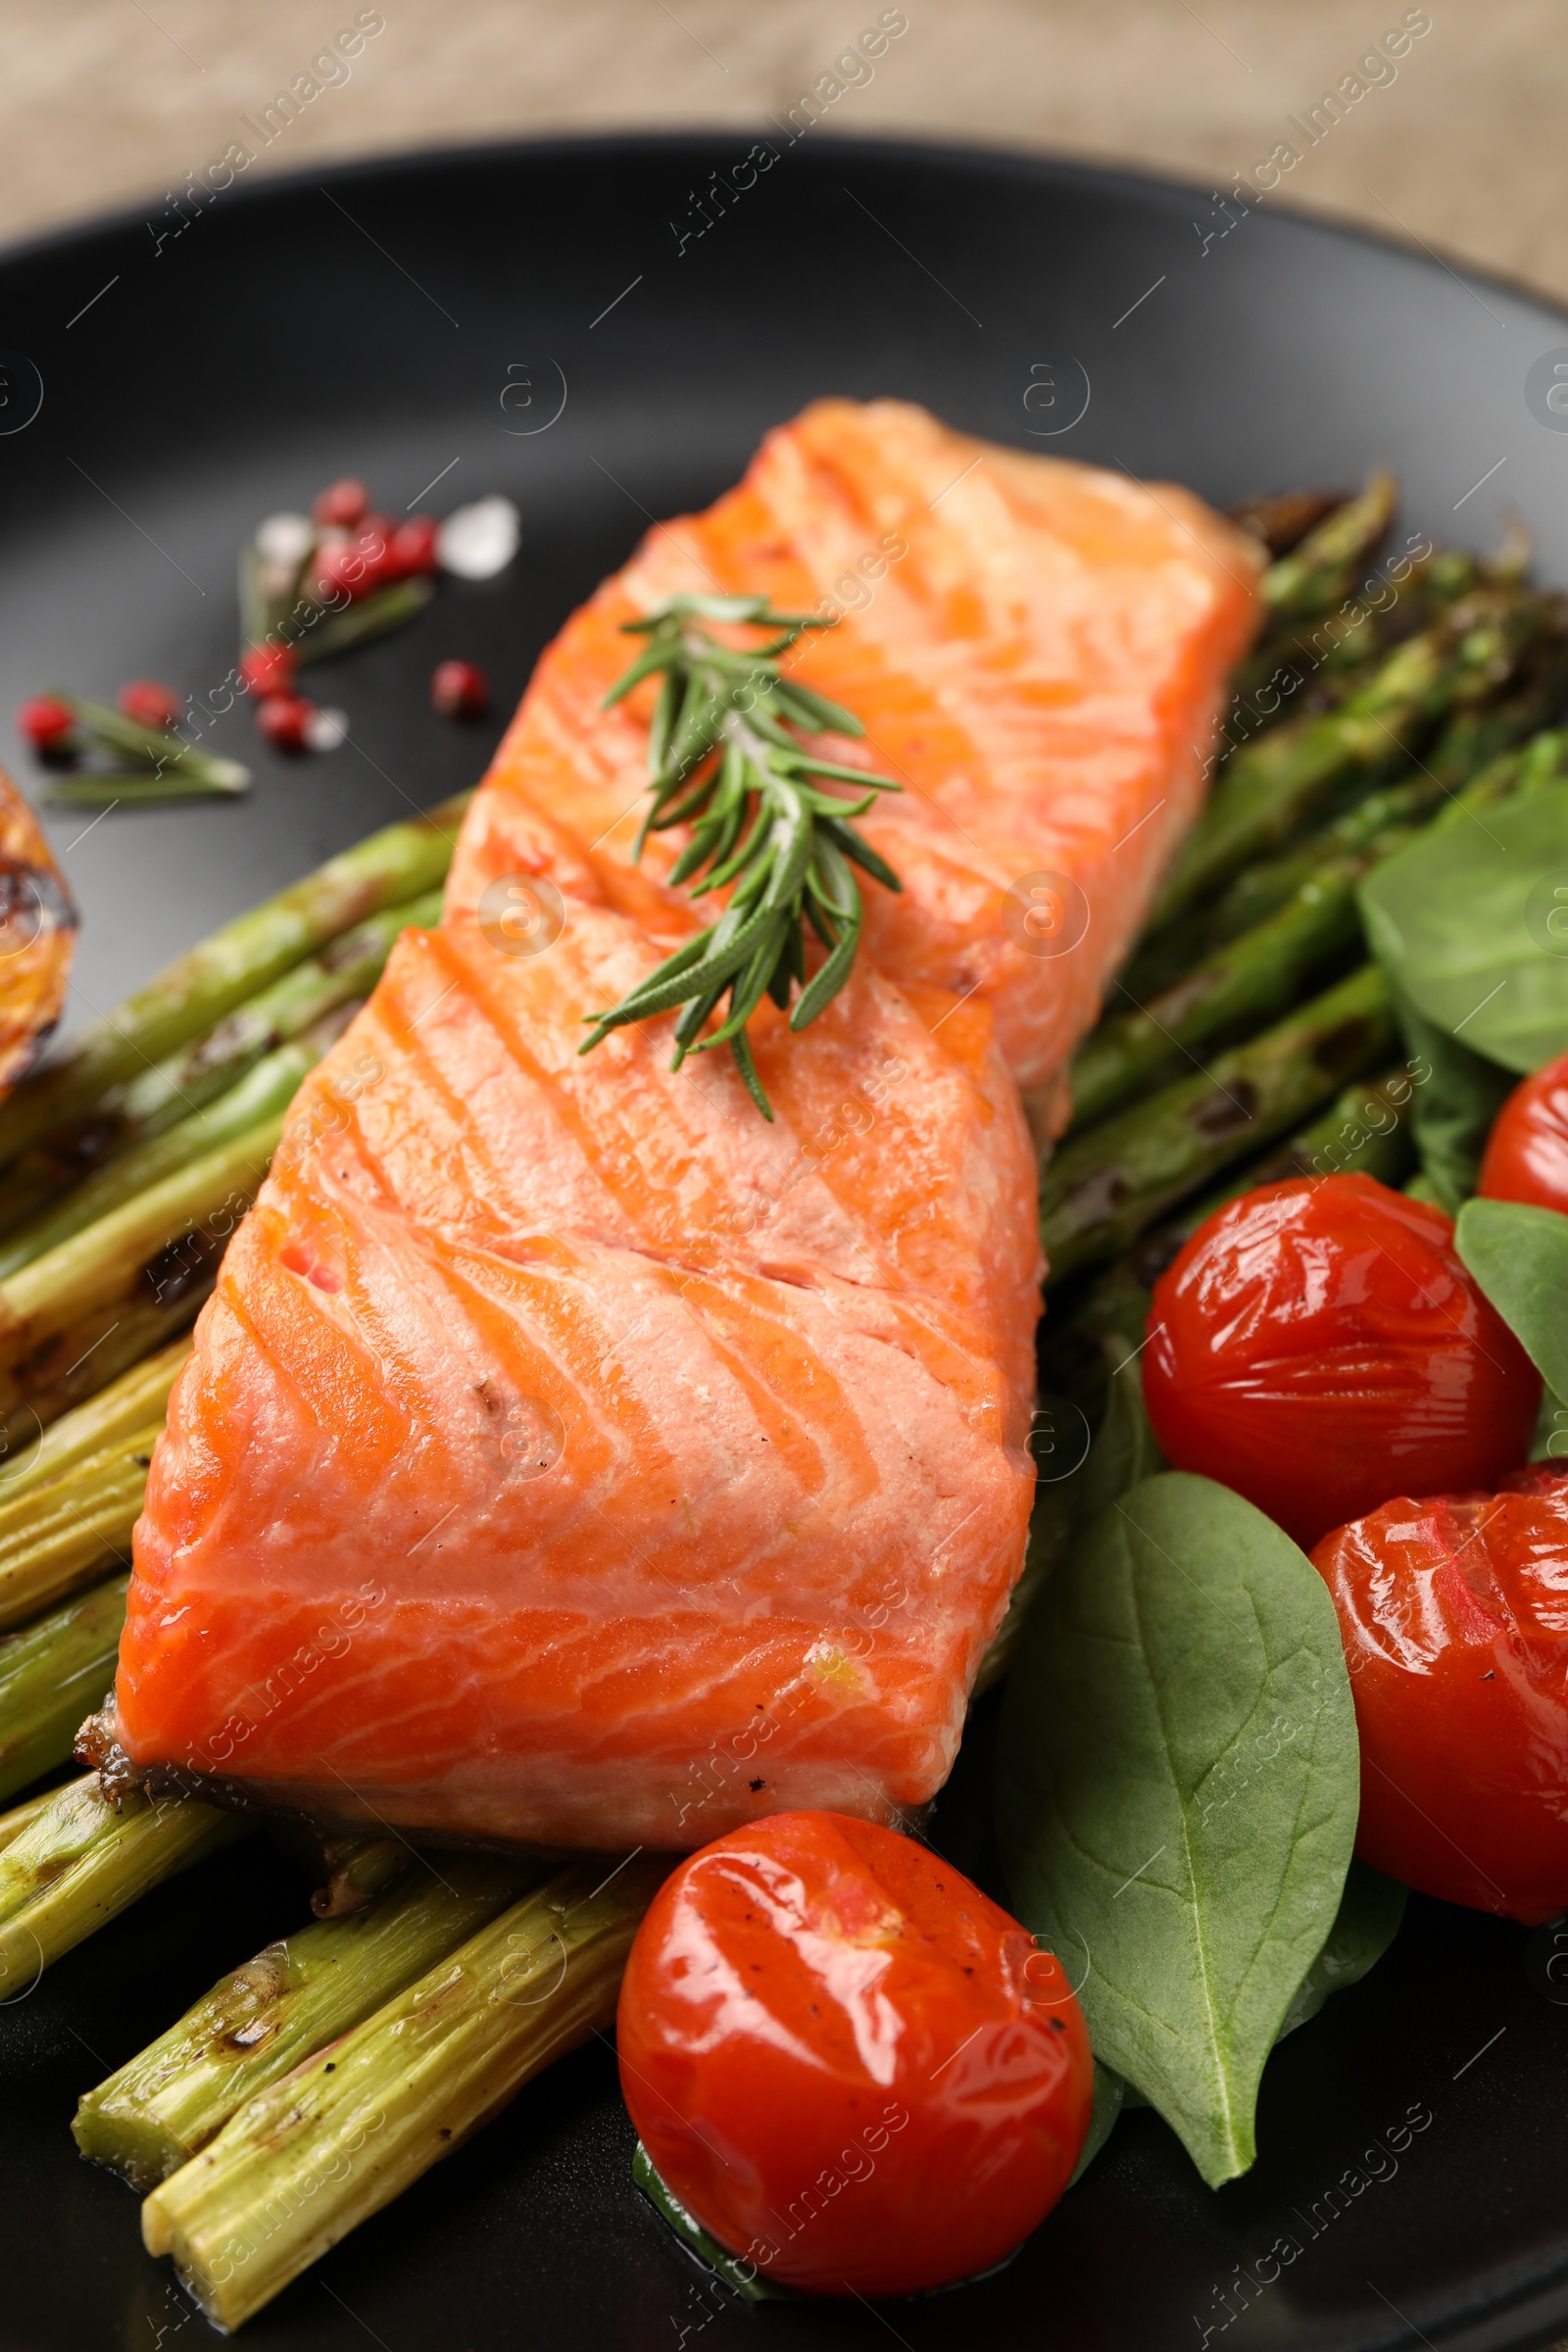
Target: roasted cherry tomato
[
  {"x": 857, "y": 2072},
  {"x": 1454, "y": 1617},
  {"x": 1527, "y": 1151},
  {"x": 1319, "y": 1345}
]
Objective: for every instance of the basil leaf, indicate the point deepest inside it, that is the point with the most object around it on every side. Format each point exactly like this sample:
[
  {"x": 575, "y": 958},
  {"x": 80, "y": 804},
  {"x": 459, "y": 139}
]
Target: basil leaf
[
  {"x": 1368, "y": 1920},
  {"x": 1519, "y": 1255},
  {"x": 1467, "y": 925},
  {"x": 1177, "y": 1792},
  {"x": 1453, "y": 1108}
]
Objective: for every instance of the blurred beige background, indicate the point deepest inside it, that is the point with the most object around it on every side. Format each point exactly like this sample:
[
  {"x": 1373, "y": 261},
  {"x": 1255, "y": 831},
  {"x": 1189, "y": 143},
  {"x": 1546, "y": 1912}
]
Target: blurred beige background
[{"x": 111, "y": 102}]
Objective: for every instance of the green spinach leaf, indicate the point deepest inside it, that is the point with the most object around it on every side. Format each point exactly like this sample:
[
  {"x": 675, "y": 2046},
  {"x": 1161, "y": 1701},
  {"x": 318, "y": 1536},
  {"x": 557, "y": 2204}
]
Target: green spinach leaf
[
  {"x": 1366, "y": 1922},
  {"x": 1110, "y": 2093},
  {"x": 740, "y": 2276},
  {"x": 1368, "y": 1919},
  {"x": 1050, "y": 1533},
  {"x": 1177, "y": 1793},
  {"x": 1550, "y": 1440},
  {"x": 1456, "y": 1097},
  {"x": 1123, "y": 1452},
  {"x": 1468, "y": 925},
  {"x": 1519, "y": 1255}
]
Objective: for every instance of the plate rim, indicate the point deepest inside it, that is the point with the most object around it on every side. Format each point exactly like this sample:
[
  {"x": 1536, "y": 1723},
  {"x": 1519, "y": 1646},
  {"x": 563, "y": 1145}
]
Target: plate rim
[{"x": 909, "y": 148}]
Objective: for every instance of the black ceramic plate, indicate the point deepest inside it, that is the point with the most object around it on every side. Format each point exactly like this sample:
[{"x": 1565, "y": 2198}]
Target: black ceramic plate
[{"x": 527, "y": 319}]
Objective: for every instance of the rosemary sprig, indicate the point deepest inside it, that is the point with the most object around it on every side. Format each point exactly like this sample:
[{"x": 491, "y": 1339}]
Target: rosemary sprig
[
  {"x": 725, "y": 757},
  {"x": 168, "y": 768}
]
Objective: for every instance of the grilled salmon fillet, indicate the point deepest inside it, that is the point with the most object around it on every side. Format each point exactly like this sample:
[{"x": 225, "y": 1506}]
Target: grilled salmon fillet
[{"x": 567, "y": 1455}]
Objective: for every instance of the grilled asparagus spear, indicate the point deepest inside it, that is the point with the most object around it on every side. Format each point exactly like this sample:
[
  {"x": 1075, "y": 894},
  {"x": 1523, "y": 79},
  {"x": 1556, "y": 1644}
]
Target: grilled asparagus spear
[
  {"x": 52, "y": 1673},
  {"x": 200, "y": 988},
  {"x": 1102, "y": 1188},
  {"x": 83, "y": 1860},
  {"x": 292, "y": 2000},
  {"x": 1270, "y": 786},
  {"x": 345, "y": 2132},
  {"x": 148, "y": 1105}
]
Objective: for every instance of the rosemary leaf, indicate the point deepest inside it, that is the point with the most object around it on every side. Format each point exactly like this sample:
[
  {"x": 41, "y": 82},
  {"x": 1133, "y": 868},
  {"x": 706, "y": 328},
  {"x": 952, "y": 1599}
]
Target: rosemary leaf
[{"x": 728, "y": 758}]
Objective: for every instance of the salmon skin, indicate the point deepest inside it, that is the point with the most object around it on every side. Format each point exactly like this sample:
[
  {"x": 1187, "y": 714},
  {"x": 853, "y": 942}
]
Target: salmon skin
[{"x": 567, "y": 1455}]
